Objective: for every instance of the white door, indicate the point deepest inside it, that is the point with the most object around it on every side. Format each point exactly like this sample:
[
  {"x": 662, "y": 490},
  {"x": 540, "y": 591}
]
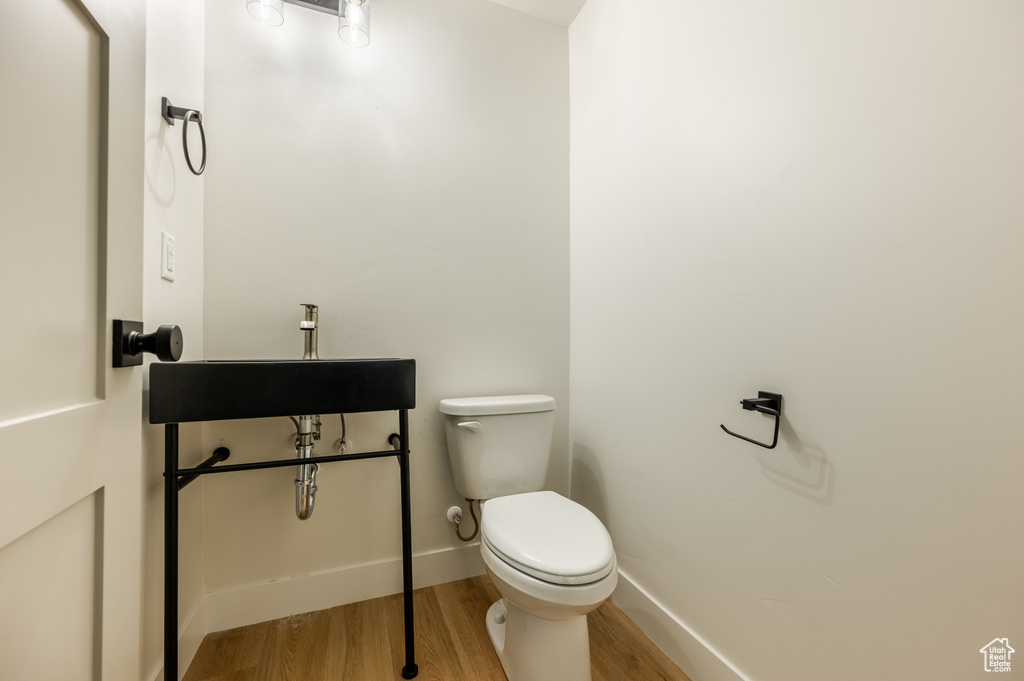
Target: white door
[{"x": 71, "y": 183}]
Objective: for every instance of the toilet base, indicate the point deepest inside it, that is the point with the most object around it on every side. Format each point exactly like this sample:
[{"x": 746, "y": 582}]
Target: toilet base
[{"x": 534, "y": 649}]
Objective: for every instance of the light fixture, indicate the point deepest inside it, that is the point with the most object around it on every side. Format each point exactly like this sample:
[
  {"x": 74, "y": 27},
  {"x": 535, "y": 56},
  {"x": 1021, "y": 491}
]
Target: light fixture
[
  {"x": 354, "y": 22},
  {"x": 269, "y": 12},
  {"x": 353, "y": 15}
]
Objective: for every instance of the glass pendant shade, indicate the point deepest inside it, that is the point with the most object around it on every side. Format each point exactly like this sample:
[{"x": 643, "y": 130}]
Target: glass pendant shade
[
  {"x": 269, "y": 12},
  {"x": 354, "y": 22}
]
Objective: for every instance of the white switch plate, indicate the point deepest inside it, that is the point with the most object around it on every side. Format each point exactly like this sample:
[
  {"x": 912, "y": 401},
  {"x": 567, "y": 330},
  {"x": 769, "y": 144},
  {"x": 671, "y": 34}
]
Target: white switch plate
[{"x": 166, "y": 256}]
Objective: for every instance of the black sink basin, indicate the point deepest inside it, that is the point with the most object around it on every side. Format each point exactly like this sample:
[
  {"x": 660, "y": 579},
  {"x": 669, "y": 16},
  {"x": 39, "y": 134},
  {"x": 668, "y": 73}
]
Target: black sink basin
[{"x": 244, "y": 389}]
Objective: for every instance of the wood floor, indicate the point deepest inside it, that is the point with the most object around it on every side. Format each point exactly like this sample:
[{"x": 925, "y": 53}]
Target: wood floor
[{"x": 364, "y": 642}]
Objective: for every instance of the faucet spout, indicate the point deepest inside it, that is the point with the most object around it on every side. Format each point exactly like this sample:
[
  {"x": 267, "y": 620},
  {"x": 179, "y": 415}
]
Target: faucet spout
[{"x": 308, "y": 326}]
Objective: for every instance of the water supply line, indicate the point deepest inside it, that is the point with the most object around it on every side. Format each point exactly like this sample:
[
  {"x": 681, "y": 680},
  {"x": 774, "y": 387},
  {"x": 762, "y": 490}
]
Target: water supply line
[{"x": 455, "y": 518}]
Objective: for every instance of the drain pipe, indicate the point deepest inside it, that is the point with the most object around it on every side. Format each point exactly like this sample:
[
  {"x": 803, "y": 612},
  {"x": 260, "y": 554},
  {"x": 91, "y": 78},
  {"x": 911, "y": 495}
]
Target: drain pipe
[
  {"x": 308, "y": 426},
  {"x": 305, "y": 474}
]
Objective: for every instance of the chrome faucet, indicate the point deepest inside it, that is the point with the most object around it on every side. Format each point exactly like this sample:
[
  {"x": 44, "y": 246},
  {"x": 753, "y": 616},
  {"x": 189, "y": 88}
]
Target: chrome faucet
[{"x": 308, "y": 326}]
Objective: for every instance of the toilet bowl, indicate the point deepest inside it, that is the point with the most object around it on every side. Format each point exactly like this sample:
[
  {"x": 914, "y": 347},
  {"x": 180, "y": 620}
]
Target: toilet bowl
[
  {"x": 550, "y": 558},
  {"x": 552, "y": 562}
]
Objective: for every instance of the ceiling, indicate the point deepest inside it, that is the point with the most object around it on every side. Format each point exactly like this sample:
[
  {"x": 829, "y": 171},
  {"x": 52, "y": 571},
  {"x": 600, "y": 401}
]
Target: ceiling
[{"x": 557, "y": 11}]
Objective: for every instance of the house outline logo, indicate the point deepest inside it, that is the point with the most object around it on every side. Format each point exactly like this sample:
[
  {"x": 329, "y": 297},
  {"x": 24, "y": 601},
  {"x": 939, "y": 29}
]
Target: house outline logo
[{"x": 997, "y": 654}]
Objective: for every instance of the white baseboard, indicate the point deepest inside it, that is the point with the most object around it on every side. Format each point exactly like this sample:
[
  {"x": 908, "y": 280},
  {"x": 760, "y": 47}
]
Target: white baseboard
[
  {"x": 190, "y": 636},
  {"x": 306, "y": 593},
  {"x": 693, "y": 655}
]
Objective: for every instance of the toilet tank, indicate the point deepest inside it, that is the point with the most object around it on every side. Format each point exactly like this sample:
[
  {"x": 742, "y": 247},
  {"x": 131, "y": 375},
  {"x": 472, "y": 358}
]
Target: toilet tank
[{"x": 499, "y": 445}]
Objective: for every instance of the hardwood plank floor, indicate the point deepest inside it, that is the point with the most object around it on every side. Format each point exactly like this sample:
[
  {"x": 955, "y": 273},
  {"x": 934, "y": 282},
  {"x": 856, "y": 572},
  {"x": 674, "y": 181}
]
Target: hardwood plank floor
[{"x": 365, "y": 642}]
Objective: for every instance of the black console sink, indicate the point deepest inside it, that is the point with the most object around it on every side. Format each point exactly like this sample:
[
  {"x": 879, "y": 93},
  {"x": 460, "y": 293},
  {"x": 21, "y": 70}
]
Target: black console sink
[{"x": 217, "y": 390}]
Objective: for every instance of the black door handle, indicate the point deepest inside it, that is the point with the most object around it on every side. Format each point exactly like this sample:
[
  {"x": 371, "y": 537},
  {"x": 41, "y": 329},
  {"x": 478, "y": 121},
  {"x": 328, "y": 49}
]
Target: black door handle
[{"x": 129, "y": 343}]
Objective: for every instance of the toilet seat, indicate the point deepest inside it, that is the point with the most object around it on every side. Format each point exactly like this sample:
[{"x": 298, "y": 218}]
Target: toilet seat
[{"x": 548, "y": 537}]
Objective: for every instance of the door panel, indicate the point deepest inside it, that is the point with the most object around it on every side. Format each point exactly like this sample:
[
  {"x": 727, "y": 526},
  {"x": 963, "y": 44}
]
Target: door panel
[
  {"x": 50, "y": 198},
  {"x": 50, "y": 579},
  {"x": 71, "y": 135}
]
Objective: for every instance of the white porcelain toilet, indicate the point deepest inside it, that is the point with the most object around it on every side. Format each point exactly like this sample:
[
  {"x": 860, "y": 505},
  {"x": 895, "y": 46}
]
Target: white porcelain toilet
[{"x": 550, "y": 558}]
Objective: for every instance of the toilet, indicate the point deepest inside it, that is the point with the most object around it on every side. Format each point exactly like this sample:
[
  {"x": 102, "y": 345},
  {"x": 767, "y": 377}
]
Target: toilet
[{"x": 551, "y": 559}]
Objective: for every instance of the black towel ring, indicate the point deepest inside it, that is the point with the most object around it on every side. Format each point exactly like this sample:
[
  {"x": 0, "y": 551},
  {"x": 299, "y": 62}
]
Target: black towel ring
[
  {"x": 191, "y": 115},
  {"x": 170, "y": 113}
]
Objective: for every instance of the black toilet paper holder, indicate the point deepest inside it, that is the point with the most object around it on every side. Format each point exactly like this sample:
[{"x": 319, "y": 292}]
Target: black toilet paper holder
[{"x": 766, "y": 403}]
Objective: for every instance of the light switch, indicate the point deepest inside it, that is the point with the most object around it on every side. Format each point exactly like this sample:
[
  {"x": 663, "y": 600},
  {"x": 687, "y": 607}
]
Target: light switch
[{"x": 166, "y": 256}]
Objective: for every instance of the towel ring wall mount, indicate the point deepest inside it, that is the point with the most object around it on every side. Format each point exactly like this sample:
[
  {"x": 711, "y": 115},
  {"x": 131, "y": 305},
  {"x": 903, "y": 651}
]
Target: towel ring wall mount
[{"x": 171, "y": 113}]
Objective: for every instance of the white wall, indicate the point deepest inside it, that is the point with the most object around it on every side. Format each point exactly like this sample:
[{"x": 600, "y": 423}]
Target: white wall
[
  {"x": 819, "y": 199},
  {"x": 417, "y": 191},
  {"x": 173, "y": 203}
]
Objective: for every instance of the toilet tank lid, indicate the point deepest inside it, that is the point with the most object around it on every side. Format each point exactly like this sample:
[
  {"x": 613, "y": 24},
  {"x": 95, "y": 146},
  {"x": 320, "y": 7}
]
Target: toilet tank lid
[{"x": 505, "y": 404}]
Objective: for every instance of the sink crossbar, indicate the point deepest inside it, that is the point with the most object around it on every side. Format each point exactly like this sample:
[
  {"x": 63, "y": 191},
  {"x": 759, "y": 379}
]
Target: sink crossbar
[{"x": 281, "y": 463}]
